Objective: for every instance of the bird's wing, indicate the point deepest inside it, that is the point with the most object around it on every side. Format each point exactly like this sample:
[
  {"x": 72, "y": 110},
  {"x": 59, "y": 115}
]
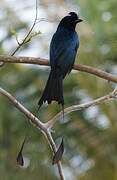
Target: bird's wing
[{"x": 63, "y": 51}]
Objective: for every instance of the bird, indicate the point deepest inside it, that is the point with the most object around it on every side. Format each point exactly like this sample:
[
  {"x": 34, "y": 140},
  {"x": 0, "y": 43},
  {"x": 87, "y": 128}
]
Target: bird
[{"x": 63, "y": 50}]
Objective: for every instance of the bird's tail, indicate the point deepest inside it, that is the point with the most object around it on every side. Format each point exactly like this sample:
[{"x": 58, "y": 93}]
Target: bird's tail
[{"x": 54, "y": 89}]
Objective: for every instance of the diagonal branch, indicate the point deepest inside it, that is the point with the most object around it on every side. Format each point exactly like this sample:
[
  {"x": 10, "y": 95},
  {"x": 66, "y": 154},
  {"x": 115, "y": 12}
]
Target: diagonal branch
[
  {"x": 36, "y": 122},
  {"x": 111, "y": 96},
  {"x": 45, "y": 62}
]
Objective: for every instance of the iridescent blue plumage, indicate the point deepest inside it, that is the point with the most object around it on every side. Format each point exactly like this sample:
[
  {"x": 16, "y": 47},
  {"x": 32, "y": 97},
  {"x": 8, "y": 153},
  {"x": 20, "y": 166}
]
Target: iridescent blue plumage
[{"x": 63, "y": 49}]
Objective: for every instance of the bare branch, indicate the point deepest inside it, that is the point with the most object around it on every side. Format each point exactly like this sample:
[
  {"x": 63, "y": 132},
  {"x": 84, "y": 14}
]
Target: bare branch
[
  {"x": 45, "y": 62},
  {"x": 22, "y": 109},
  {"x": 26, "y": 37},
  {"x": 36, "y": 122},
  {"x": 28, "y": 34},
  {"x": 107, "y": 98},
  {"x": 45, "y": 127},
  {"x": 54, "y": 149}
]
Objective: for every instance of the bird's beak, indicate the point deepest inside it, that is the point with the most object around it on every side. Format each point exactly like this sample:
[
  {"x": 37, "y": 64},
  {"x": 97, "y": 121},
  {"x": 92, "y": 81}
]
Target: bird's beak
[{"x": 78, "y": 21}]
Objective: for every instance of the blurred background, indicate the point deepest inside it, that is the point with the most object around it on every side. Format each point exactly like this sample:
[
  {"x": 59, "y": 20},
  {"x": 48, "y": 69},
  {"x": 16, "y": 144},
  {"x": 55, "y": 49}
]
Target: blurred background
[{"x": 90, "y": 135}]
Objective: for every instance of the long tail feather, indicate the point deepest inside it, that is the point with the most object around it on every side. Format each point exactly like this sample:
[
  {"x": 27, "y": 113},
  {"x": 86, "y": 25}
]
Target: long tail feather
[{"x": 53, "y": 90}]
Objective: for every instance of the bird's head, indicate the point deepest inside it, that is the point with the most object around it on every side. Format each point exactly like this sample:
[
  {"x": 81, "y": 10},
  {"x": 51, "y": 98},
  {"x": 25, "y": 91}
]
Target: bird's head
[{"x": 70, "y": 21}]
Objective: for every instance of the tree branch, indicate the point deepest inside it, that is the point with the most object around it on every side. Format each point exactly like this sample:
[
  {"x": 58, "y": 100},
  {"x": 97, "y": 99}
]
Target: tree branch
[
  {"x": 45, "y": 127},
  {"x": 45, "y": 62},
  {"x": 111, "y": 96},
  {"x": 54, "y": 149},
  {"x": 28, "y": 34},
  {"x": 26, "y": 37},
  {"x": 36, "y": 122}
]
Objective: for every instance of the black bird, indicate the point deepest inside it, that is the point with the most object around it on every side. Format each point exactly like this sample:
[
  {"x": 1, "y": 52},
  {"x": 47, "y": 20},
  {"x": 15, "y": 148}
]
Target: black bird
[{"x": 63, "y": 49}]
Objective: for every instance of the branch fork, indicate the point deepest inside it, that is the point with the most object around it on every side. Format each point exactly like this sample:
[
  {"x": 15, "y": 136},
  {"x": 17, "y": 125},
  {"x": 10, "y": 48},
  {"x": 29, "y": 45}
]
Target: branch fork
[{"x": 46, "y": 127}]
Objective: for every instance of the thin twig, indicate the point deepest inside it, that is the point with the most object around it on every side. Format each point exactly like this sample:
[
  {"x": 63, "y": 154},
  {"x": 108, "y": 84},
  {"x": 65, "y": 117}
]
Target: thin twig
[
  {"x": 54, "y": 149},
  {"x": 111, "y": 96},
  {"x": 26, "y": 37},
  {"x": 45, "y": 62},
  {"x": 28, "y": 34}
]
